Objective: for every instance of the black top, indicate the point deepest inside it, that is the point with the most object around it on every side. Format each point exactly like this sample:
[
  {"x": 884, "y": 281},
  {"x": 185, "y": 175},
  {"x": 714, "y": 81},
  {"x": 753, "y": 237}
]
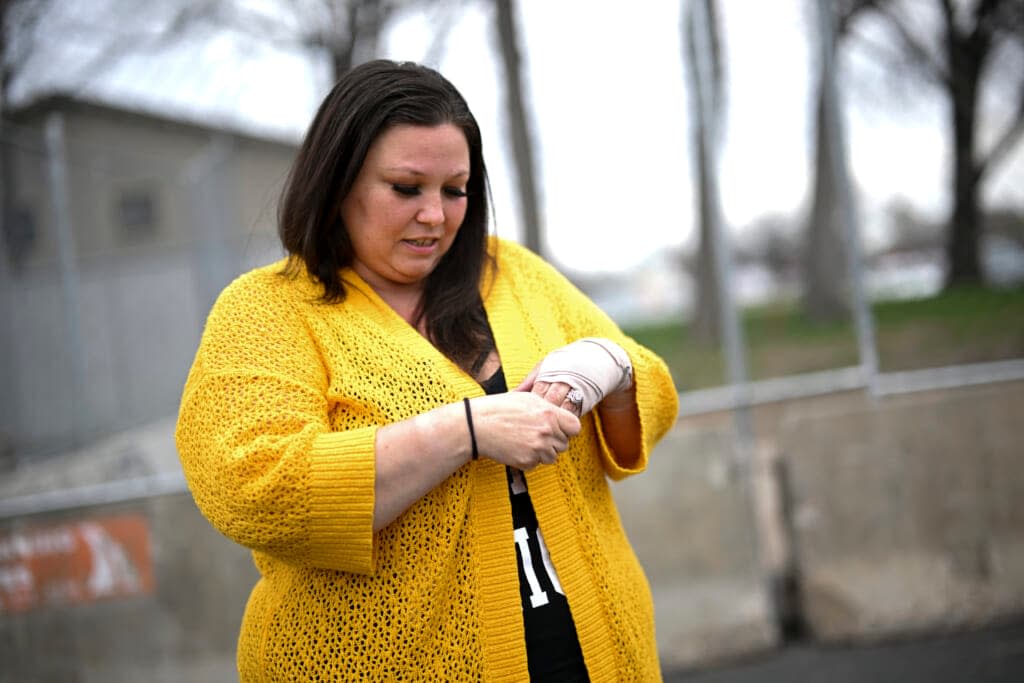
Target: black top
[{"x": 552, "y": 646}]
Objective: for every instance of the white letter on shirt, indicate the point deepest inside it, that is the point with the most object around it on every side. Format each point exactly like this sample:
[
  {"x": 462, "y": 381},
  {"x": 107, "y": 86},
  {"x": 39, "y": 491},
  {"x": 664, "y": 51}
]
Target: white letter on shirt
[{"x": 538, "y": 597}]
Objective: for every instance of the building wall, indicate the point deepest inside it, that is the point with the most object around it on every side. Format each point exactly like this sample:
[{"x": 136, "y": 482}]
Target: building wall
[{"x": 162, "y": 215}]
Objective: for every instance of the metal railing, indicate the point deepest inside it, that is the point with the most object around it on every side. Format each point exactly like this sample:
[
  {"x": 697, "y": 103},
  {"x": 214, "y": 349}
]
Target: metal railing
[{"x": 701, "y": 402}]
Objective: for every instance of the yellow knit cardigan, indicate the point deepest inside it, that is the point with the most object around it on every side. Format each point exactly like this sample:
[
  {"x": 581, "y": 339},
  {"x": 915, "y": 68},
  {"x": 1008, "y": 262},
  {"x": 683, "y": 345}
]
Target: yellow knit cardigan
[{"x": 276, "y": 438}]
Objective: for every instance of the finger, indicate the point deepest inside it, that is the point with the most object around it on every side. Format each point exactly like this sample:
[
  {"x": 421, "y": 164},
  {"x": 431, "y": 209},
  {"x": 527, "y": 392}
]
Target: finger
[
  {"x": 574, "y": 408},
  {"x": 568, "y": 422},
  {"x": 556, "y": 393},
  {"x": 561, "y": 444},
  {"x": 527, "y": 383},
  {"x": 540, "y": 388}
]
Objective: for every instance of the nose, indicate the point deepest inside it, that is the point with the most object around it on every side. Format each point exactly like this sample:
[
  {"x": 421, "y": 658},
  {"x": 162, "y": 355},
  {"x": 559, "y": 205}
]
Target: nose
[{"x": 431, "y": 212}]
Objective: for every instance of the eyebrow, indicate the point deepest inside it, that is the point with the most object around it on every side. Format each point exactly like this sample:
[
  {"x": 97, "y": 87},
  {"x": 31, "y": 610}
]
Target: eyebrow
[{"x": 413, "y": 171}]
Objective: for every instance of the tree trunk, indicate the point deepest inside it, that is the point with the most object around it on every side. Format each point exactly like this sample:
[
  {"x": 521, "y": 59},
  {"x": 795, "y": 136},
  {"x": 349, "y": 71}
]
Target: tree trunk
[
  {"x": 825, "y": 277},
  {"x": 706, "y": 318},
  {"x": 962, "y": 249},
  {"x": 341, "y": 60},
  {"x": 518, "y": 128},
  {"x": 364, "y": 23},
  {"x": 706, "y": 327}
]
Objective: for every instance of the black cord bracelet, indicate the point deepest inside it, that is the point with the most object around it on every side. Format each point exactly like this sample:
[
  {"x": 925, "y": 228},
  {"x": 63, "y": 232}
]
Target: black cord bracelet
[{"x": 472, "y": 434}]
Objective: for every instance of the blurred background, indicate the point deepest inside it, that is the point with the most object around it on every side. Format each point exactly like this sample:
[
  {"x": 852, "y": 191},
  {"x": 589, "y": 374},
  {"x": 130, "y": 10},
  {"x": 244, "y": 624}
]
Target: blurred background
[{"x": 812, "y": 209}]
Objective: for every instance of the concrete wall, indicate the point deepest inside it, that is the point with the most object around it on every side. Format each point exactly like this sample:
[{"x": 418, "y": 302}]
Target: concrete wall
[
  {"x": 691, "y": 521},
  {"x": 689, "y": 518},
  {"x": 906, "y": 512},
  {"x": 906, "y": 516},
  {"x": 185, "y": 631}
]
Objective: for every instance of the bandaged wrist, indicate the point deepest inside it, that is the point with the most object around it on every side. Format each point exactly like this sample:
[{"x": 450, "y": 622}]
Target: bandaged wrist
[{"x": 593, "y": 365}]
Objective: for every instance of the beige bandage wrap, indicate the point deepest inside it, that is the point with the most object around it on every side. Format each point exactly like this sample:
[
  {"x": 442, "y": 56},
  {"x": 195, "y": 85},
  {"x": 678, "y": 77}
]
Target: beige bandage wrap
[{"x": 593, "y": 365}]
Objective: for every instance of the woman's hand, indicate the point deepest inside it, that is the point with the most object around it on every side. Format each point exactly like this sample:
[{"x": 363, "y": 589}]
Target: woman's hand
[
  {"x": 555, "y": 393},
  {"x": 521, "y": 429},
  {"x": 413, "y": 456},
  {"x": 580, "y": 375}
]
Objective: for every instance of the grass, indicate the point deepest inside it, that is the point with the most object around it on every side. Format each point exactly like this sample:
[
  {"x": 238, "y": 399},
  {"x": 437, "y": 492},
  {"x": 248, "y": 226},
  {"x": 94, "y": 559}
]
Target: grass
[{"x": 966, "y": 325}]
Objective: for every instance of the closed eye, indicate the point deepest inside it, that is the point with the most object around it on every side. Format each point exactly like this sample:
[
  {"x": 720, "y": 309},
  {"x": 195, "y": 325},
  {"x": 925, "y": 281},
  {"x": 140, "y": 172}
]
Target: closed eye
[
  {"x": 406, "y": 190},
  {"x": 455, "y": 192}
]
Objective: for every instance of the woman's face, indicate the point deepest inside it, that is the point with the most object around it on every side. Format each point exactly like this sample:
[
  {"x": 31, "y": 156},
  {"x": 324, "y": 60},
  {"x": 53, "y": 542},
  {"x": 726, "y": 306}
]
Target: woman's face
[{"x": 406, "y": 205}]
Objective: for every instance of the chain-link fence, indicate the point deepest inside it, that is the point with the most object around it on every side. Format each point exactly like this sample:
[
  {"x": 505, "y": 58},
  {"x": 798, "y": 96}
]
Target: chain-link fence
[{"x": 120, "y": 231}]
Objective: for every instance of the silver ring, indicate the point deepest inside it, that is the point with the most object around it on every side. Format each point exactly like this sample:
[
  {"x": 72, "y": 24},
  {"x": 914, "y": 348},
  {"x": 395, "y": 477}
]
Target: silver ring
[{"x": 575, "y": 397}]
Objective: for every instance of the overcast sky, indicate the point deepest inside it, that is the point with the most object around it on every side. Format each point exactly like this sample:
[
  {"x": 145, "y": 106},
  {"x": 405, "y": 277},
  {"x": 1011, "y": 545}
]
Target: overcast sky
[{"x": 609, "y": 112}]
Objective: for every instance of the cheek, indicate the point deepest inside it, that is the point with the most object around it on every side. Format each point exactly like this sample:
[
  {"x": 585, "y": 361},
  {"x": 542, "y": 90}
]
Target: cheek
[
  {"x": 383, "y": 222},
  {"x": 455, "y": 217}
]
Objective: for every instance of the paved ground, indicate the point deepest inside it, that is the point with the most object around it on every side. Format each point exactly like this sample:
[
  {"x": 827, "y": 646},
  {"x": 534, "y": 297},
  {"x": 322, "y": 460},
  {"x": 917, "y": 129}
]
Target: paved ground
[{"x": 993, "y": 655}]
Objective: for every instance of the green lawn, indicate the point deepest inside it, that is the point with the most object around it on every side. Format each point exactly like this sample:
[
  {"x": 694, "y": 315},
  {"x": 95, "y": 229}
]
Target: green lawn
[{"x": 967, "y": 325}]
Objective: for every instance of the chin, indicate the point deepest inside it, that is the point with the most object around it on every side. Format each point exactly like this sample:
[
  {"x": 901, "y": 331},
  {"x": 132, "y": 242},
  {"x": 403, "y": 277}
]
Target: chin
[
  {"x": 418, "y": 278},
  {"x": 414, "y": 275}
]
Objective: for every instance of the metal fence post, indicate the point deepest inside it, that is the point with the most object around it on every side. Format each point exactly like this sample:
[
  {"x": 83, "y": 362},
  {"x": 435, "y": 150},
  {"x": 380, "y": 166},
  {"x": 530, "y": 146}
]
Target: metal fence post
[
  {"x": 8, "y": 401},
  {"x": 212, "y": 211},
  {"x": 66, "y": 258},
  {"x": 728, "y": 313},
  {"x": 866, "y": 343}
]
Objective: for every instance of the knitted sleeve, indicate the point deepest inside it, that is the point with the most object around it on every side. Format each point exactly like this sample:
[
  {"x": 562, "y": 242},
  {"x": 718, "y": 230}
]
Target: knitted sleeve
[
  {"x": 254, "y": 439},
  {"x": 656, "y": 395}
]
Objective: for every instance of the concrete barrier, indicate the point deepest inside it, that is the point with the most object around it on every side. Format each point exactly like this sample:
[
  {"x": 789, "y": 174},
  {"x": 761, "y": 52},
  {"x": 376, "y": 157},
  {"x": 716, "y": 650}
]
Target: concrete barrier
[
  {"x": 689, "y": 519},
  {"x": 905, "y": 516},
  {"x": 906, "y": 511},
  {"x": 183, "y": 630},
  {"x": 180, "y": 627},
  {"x": 691, "y": 522}
]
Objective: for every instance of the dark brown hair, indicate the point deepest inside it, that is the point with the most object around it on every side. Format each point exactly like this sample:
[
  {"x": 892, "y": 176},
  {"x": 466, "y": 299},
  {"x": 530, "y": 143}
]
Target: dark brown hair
[{"x": 367, "y": 101}]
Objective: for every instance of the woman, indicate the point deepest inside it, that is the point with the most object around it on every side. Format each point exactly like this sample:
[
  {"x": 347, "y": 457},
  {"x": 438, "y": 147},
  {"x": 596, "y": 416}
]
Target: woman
[{"x": 348, "y": 418}]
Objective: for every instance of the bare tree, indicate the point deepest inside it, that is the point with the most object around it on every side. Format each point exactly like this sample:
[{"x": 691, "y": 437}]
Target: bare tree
[
  {"x": 960, "y": 53},
  {"x": 708, "y": 300},
  {"x": 771, "y": 242},
  {"x": 18, "y": 19},
  {"x": 353, "y": 31},
  {"x": 909, "y": 229},
  {"x": 347, "y": 31},
  {"x": 823, "y": 260},
  {"x": 518, "y": 127}
]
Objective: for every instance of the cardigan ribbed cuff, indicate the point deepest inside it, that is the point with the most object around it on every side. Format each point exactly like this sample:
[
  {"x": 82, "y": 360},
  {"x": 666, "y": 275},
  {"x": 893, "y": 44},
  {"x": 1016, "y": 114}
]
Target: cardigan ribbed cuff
[{"x": 342, "y": 474}]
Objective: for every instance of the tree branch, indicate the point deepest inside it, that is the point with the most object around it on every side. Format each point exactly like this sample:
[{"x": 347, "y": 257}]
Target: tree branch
[
  {"x": 847, "y": 13},
  {"x": 189, "y": 15},
  {"x": 920, "y": 56},
  {"x": 16, "y": 52},
  {"x": 984, "y": 14},
  {"x": 1004, "y": 144}
]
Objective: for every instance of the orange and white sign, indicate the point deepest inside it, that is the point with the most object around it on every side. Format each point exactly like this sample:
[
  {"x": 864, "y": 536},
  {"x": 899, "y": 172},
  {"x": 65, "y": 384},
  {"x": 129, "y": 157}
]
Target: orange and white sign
[{"x": 75, "y": 562}]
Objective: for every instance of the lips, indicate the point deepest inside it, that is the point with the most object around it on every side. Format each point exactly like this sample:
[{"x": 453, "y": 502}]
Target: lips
[{"x": 425, "y": 242}]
